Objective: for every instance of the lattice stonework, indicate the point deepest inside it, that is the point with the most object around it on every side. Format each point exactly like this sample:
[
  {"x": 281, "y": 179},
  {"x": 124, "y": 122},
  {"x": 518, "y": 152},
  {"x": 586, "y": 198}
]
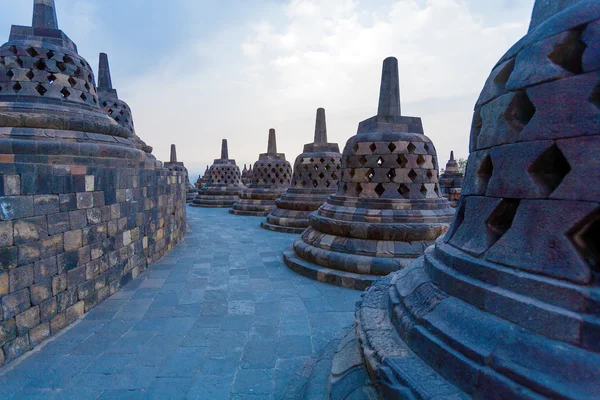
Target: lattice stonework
[
  {"x": 34, "y": 71},
  {"x": 316, "y": 173},
  {"x": 272, "y": 173},
  {"x": 119, "y": 111},
  {"x": 390, "y": 170},
  {"x": 227, "y": 174}
]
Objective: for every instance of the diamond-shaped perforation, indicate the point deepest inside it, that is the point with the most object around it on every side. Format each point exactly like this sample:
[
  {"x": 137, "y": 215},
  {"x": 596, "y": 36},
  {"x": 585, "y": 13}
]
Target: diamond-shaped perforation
[
  {"x": 363, "y": 160},
  {"x": 40, "y": 64},
  {"x": 568, "y": 53},
  {"x": 17, "y": 87},
  {"x": 51, "y": 78},
  {"x": 391, "y": 174},
  {"x": 402, "y": 161},
  {"x": 65, "y": 93},
  {"x": 41, "y": 89},
  {"x": 380, "y": 190},
  {"x": 372, "y": 147},
  {"x": 549, "y": 170},
  {"x": 501, "y": 219},
  {"x": 32, "y": 52},
  {"x": 403, "y": 190},
  {"x": 411, "y": 148},
  {"x": 519, "y": 112},
  {"x": 30, "y": 74},
  {"x": 484, "y": 173},
  {"x": 412, "y": 175},
  {"x": 585, "y": 236},
  {"x": 370, "y": 174}
]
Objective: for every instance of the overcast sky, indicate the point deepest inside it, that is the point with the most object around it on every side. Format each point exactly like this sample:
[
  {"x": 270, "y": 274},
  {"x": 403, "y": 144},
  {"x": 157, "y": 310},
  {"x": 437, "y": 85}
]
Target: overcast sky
[{"x": 197, "y": 71}]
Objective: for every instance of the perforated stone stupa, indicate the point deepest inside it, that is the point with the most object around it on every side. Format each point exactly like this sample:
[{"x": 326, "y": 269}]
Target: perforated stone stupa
[
  {"x": 204, "y": 178},
  {"x": 507, "y": 306},
  {"x": 117, "y": 109},
  {"x": 178, "y": 166},
  {"x": 224, "y": 183},
  {"x": 388, "y": 207},
  {"x": 247, "y": 175},
  {"x": 271, "y": 176},
  {"x": 451, "y": 181},
  {"x": 316, "y": 175},
  {"x": 84, "y": 207}
]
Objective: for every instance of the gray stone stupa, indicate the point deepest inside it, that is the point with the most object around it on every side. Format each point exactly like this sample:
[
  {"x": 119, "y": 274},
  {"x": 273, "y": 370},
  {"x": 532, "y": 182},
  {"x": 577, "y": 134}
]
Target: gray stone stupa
[
  {"x": 224, "y": 184},
  {"x": 507, "y": 305},
  {"x": 451, "y": 181},
  {"x": 316, "y": 175},
  {"x": 388, "y": 208},
  {"x": 175, "y": 165},
  {"x": 270, "y": 179}
]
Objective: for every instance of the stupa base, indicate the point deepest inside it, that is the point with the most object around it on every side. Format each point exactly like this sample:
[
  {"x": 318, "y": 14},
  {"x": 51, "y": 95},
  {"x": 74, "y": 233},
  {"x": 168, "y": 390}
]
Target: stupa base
[
  {"x": 335, "y": 277},
  {"x": 214, "y": 201},
  {"x": 281, "y": 229},
  {"x": 259, "y": 208}
]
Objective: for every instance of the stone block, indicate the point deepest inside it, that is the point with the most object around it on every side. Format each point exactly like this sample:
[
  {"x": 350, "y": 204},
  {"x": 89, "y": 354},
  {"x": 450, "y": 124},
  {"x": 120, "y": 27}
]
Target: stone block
[
  {"x": 12, "y": 185},
  {"x": 58, "y": 323},
  {"x": 44, "y": 269},
  {"x": 9, "y": 257},
  {"x": 78, "y": 219},
  {"x": 4, "y": 284},
  {"x": 73, "y": 240},
  {"x": 66, "y": 299},
  {"x": 46, "y": 204},
  {"x": 28, "y": 320},
  {"x": 16, "y": 207},
  {"x": 30, "y": 230},
  {"x": 59, "y": 283},
  {"x": 576, "y": 185},
  {"x": 16, "y": 348},
  {"x": 6, "y": 234},
  {"x": 85, "y": 200},
  {"x": 89, "y": 183},
  {"x": 94, "y": 215},
  {"x": 30, "y": 252},
  {"x": 40, "y": 333},
  {"x": 58, "y": 223},
  {"x": 15, "y": 303},
  {"x": 48, "y": 309},
  {"x": 75, "y": 312},
  {"x": 20, "y": 278},
  {"x": 8, "y": 331},
  {"x": 52, "y": 246},
  {"x": 40, "y": 292},
  {"x": 68, "y": 202},
  {"x": 76, "y": 277}
]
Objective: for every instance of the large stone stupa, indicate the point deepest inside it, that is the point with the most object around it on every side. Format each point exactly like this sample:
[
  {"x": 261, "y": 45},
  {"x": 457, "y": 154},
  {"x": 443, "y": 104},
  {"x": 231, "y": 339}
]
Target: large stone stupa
[
  {"x": 316, "y": 175},
  {"x": 224, "y": 183},
  {"x": 507, "y": 305},
  {"x": 271, "y": 177},
  {"x": 451, "y": 181},
  {"x": 388, "y": 207},
  {"x": 178, "y": 166}
]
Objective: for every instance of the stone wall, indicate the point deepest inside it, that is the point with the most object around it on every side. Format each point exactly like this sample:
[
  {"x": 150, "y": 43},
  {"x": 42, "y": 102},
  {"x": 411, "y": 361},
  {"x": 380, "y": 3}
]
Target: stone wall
[{"x": 71, "y": 236}]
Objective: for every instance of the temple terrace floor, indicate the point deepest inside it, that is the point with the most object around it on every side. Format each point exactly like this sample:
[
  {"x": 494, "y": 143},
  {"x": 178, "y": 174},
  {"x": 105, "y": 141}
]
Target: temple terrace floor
[{"x": 220, "y": 317}]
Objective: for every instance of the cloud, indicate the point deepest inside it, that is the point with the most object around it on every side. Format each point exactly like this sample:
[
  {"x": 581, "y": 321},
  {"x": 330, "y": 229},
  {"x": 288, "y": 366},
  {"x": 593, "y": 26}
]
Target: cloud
[{"x": 276, "y": 71}]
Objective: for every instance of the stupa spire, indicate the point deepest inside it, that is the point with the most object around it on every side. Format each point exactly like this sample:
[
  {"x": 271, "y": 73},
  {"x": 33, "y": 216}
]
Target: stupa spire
[
  {"x": 452, "y": 156},
  {"x": 543, "y": 10},
  {"x": 321, "y": 127},
  {"x": 224, "y": 150},
  {"x": 173, "y": 154},
  {"x": 272, "y": 146},
  {"x": 104, "y": 79},
  {"x": 389, "y": 94},
  {"x": 44, "y": 14}
]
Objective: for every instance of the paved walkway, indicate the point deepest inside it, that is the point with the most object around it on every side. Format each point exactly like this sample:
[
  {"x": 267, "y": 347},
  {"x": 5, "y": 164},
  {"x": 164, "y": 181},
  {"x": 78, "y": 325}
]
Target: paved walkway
[{"x": 220, "y": 317}]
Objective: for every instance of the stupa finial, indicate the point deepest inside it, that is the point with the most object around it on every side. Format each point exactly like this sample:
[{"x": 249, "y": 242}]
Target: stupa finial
[
  {"x": 224, "y": 150},
  {"x": 389, "y": 94},
  {"x": 44, "y": 14},
  {"x": 104, "y": 79},
  {"x": 452, "y": 156},
  {"x": 173, "y": 154},
  {"x": 321, "y": 127},
  {"x": 272, "y": 146},
  {"x": 543, "y": 10}
]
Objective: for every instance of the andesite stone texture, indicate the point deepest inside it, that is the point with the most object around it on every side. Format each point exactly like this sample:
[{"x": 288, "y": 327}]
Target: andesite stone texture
[
  {"x": 224, "y": 183},
  {"x": 388, "y": 207},
  {"x": 451, "y": 181},
  {"x": 316, "y": 175},
  {"x": 83, "y": 207},
  {"x": 507, "y": 305},
  {"x": 271, "y": 177},
  {"x": 247, "y": 175},
  {"x": 174, "y": 165}
]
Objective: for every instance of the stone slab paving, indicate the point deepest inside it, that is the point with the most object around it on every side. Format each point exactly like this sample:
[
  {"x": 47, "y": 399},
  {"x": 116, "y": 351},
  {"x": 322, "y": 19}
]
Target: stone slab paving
[{"x": 220, "y": 317}]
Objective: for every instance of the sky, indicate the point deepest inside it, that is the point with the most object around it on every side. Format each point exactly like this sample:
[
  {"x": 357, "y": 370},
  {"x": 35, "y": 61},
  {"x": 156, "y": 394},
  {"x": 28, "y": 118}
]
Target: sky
[{"x": 197, "y": 71}]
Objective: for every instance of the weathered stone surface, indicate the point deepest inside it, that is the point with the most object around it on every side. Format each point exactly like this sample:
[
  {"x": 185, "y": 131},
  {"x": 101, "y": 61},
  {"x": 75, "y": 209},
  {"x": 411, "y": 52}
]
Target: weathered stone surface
[
  {"x": 388, "y": 206},
  {"x": 505, "y": 305},
  {"x": 15, "y": 303}
]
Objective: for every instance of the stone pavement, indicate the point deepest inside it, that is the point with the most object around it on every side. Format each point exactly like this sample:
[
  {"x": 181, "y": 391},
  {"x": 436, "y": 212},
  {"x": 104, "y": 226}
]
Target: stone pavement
[{"x": 220, "y": 317}]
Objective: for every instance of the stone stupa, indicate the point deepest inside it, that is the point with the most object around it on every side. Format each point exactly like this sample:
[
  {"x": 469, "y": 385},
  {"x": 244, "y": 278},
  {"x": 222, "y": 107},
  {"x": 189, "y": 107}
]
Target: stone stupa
[
  {"x": 178, "y": 166},
  {"x": 316, "y": 175},
  {"x": 224, "y": 184},
  {"x": 271, "y": 177},
  {"x": 451, "y": 181},
  {"x": 117, "y": 109},
  {"x": 507, "y": 305},
  {"x": 388, "y": 207}
]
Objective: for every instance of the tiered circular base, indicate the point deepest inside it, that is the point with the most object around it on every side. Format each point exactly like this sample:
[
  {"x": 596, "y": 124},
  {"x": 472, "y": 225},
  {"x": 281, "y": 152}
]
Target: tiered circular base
[
  {"x": 293, "y": 209},
  {"x": 258, "y": 202},
  {"x": 217, "y": 197},
  {"x": 350, "y": 245},
  {"x": 190, "y": 196}
]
